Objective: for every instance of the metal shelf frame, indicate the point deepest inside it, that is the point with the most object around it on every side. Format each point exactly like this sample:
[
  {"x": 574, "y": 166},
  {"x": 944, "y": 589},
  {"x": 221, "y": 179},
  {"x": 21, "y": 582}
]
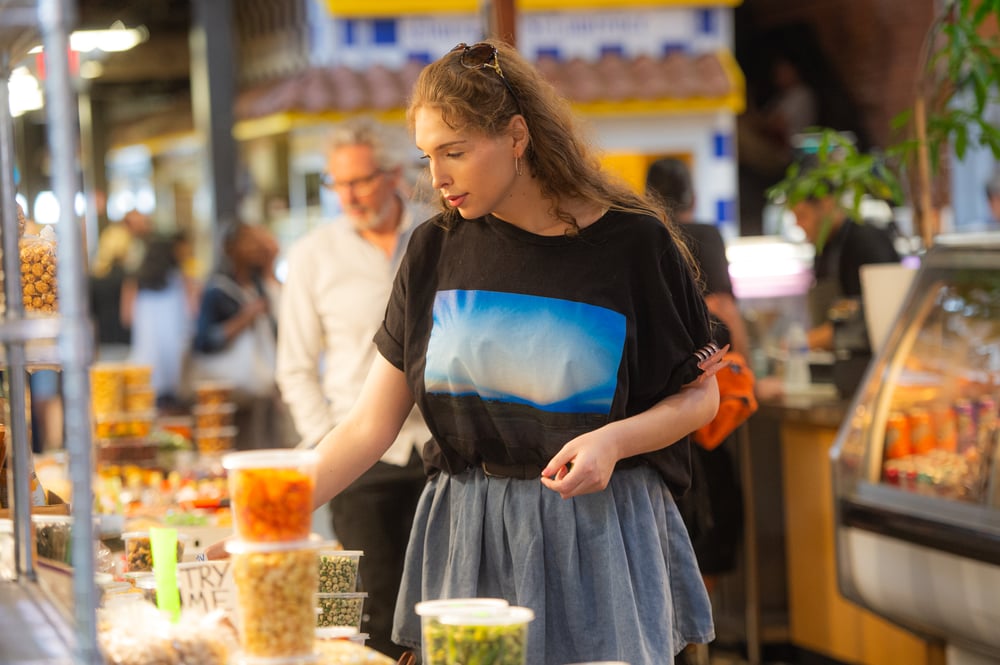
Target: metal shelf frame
[{"x": 45, "y": 631}]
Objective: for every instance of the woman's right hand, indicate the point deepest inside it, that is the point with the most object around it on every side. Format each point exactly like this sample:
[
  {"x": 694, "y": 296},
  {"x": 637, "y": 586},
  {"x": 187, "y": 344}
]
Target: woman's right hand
[{"x": 217, "y": 551}]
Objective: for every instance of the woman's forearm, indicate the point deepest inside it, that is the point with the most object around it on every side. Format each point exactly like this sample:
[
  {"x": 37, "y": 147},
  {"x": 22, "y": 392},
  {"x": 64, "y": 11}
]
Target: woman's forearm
[
  {"x": 372, "y": 424},
  {"x": 667, "y": 421}
]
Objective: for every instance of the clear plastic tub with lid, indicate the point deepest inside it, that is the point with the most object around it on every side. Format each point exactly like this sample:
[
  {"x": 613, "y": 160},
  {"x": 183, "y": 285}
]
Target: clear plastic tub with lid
[
  {"x": 338, "y": 570},
  {"x": 430, "y": 612},
  {"x": 271, "y": 493},
  {"x": 275, "y": 596}
]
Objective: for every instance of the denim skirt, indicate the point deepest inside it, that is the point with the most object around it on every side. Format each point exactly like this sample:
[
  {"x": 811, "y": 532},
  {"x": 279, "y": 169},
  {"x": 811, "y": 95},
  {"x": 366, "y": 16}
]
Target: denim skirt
[{"x": 609, "y": 575}]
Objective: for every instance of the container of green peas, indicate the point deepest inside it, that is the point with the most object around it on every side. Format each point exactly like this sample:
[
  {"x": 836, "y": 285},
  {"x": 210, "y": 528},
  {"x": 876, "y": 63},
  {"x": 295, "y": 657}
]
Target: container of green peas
[
  {"x": 340, "y": 609},
  {"x": 480, "y": 637},
  {"x": 431, "y": 610},
  {"x": 338, "y": 570}
]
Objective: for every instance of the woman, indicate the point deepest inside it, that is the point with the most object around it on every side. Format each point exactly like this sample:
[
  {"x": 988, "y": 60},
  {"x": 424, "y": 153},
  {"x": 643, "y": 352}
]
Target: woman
[
  {"x": 236, "y": 319},
  {"x": 549, "y": 328},
  {"x": 158, "y": 304}
]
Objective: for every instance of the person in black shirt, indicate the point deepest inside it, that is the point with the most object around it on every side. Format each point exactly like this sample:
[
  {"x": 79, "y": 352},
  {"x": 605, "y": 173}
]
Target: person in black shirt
[
  {"x": 713, "y": 508},
  {"x": 843, "y": 245}
]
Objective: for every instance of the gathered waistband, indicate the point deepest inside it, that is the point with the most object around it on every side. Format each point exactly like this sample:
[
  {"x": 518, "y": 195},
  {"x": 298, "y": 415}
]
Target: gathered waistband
[{"x": 532, "y": 471}]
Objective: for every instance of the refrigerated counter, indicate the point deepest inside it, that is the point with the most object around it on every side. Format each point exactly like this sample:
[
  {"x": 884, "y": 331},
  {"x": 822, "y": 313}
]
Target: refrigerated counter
[{"x": 916, "y": 467}]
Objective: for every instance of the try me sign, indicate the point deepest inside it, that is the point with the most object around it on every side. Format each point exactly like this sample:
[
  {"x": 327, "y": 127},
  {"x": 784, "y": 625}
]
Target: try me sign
[{"x": 206, "y": 585}]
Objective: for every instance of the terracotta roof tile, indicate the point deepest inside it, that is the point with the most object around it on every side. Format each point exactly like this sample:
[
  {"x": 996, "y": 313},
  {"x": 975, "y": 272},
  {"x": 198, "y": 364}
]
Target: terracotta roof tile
[{"x": 611, "y": 78}]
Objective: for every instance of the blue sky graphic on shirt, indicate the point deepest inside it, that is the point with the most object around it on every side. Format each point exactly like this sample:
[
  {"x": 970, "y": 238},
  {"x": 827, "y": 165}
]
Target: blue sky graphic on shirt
[{"x": 552, "y": 354}]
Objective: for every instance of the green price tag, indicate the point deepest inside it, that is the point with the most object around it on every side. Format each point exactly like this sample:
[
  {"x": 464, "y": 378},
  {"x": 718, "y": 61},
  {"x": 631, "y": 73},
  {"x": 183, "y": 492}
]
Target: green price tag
[{"x": 164, "y": 546}]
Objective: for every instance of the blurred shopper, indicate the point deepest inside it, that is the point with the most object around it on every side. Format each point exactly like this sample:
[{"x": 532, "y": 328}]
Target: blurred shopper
[
  {"x": 107, "y": 277},
  {"x": 993, "y": 202},
  {"x": 158, "y": 304},
  {"x": 713, "y": 508},
  {"x": 333, "y": 300},
  {"x": 236, "y": 335}
]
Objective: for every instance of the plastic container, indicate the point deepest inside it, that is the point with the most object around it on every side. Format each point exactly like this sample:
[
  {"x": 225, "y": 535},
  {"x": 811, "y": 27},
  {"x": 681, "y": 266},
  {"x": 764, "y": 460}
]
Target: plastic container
[
  {"x": 208, "y": 393},
  {"x": 136, "y": 376},
  {"x": 340, "y": 609},
  {"x": 139, "y": 553},
  {"x": 214, "y": 416},
  {"x": 271, "y": 493},
  {"x": 52, "y": 536},
  {"x": 7, "y": 571},
  {"x": 338, "y": 570},
  {"x": 275, "y": 596},
  {"x": 341, "y": 633},
  {"x": 483, "y": 637},
  {"x": 120, "y": 425},
  {"x": 107, "y": 389},
  {"x": 431, "y": 610},
  {"x": 215, "y": 440},
  {"x": 140, "y": 400}
]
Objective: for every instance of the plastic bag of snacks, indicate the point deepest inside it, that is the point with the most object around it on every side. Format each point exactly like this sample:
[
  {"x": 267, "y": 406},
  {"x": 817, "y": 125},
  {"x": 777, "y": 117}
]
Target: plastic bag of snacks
[
  {"x": 135, "y": 633},
  {"x": 38, "y": 272}
]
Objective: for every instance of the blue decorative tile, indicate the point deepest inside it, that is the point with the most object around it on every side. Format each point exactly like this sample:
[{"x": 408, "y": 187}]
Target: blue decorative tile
[
  {"x": 725, "y": 211},
  {"x": 350, "y": 27},
  {"x": 722, "y": 145},
  {"x": 548, "y": 52},
  {"x": 385, "y": 31},
  {"x": 673, "y": 47},
  {"x": 423, "y": 57},
  {"x": 707, "y": 21},
  {"x": 612, "y": 49}
]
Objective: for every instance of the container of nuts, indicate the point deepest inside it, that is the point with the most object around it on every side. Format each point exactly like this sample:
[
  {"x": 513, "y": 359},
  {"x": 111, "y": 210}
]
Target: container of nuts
[
  {"x": 338, "y": 570},
  {"x": 139, "y": 552},
  {"x": 275, "y": 596},
  {"x": 38, "y": 272}
]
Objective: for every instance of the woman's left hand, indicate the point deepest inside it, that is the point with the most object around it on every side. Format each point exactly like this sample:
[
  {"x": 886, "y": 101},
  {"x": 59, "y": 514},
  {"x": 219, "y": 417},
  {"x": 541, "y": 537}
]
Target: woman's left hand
[{"x": 584, "y": 465}]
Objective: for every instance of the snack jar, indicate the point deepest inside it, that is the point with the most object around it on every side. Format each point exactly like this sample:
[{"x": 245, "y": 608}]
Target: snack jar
[
  {"x": 483, "y": 637},
  {"x": 430, "y": 612},
  {"x": 340, "y": 609},
  {"x": 338, "y": 570},
  {"x": 271, "y": 493},
  {"x": 275, "y": 596},
  {"x": 139, "y": 551}
]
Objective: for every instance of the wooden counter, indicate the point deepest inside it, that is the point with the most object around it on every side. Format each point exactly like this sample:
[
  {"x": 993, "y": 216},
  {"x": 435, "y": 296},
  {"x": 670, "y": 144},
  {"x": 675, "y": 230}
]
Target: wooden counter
[{"x": 820, "y": 619}]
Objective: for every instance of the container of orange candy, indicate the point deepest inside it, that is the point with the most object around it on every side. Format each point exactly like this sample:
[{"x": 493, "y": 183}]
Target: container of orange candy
[{"x": 271, "y": 493}]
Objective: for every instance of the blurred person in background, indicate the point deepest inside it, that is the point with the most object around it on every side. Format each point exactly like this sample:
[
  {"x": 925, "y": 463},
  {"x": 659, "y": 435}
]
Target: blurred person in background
[
  {"x": 236, "y": 303},
  {"x": 713, "y": 508},
  {"x": 333, "y": 301},
  {"x": 158, "y": 304},
  {"x": 843, "y": 245},
  {"x": 107, "y": 277},
  {"x": 993, "y": 202}
]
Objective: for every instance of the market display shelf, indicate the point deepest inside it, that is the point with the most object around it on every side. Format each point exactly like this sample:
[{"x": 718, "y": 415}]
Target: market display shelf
[{"x": 32, "y": 632}]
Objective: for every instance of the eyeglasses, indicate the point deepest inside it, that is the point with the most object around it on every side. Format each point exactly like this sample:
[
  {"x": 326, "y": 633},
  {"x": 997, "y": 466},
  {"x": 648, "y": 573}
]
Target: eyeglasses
[
  {"x": 482, "y": 56},
  {"x": 360, "y": 186}
]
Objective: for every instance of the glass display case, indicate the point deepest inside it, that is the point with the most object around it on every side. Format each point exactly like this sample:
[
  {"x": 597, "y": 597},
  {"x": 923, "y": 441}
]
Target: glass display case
[{"x": 917, "y": 462}]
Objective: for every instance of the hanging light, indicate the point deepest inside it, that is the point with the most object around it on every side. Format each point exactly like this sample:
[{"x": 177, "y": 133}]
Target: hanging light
[{"x": 25, "y": 93}]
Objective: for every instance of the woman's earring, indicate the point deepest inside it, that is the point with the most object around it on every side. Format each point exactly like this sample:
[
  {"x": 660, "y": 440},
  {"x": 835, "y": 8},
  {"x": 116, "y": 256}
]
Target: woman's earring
[{"x": 517, "y": 165}]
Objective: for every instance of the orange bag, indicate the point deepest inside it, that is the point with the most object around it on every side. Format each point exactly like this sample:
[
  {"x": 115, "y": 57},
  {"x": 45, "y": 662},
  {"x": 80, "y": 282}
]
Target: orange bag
[{"x": 736, "y": 402}]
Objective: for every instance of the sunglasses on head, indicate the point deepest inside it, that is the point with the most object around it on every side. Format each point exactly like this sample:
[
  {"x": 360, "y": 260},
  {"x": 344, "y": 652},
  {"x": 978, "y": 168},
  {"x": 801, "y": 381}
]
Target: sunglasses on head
[{"x": 484, "y": 56}]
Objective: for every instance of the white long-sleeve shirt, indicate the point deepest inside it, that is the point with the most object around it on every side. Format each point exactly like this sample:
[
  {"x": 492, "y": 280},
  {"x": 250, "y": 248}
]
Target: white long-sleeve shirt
[{"x": 332, "y": 303}]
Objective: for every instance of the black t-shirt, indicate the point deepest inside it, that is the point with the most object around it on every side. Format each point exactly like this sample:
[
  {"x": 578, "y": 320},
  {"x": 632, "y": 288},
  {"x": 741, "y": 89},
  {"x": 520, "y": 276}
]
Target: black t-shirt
[
  {"x": 854, "y": 245},
  {"x": 709, "y": 252},
  {"x": 513, "y": 343}
]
